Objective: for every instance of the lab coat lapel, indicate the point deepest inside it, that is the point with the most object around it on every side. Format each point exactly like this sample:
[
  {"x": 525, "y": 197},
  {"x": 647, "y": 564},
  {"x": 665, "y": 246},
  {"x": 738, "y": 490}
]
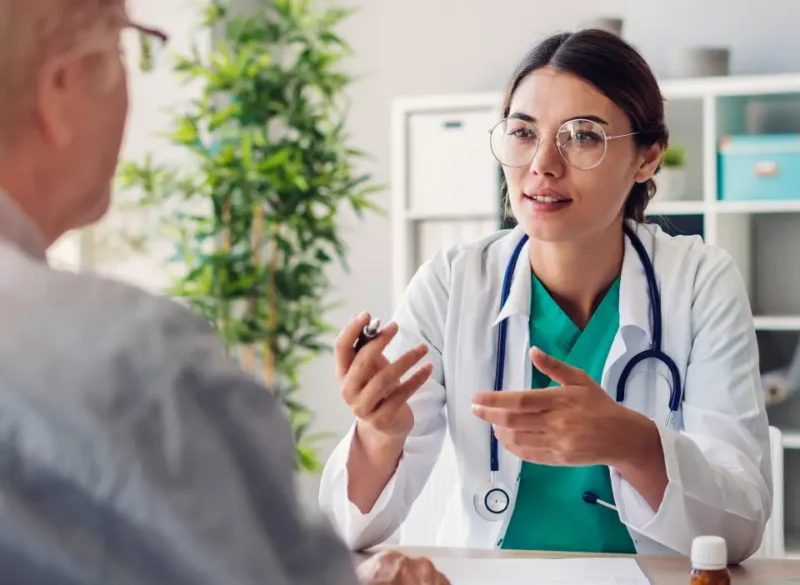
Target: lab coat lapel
[
  {"x": 516, "y": 312},
  {"x": 519, "y": 297},
  {"x": 634, "y": 306}
]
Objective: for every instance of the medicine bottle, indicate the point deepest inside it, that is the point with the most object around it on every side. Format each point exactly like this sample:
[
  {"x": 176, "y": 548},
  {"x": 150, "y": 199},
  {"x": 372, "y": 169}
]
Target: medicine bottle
[{"x": 709, "y": 561}]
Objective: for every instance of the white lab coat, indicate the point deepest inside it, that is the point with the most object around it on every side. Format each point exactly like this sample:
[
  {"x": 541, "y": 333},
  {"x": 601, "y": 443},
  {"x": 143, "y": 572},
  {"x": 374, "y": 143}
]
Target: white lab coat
[{"x": 718, "y": 463}]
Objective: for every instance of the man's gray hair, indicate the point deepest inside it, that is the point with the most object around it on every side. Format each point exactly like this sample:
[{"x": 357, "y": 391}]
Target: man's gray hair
[{"x": 32, "y": 33}]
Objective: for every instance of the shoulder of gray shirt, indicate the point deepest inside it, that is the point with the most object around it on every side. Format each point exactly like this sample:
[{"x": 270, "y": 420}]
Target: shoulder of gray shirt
[{"x": 133, "y": 451}]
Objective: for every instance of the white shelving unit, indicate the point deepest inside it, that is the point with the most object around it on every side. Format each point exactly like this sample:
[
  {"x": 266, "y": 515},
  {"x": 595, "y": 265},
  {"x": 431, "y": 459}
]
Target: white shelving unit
[{"x": 446, "y": 189}]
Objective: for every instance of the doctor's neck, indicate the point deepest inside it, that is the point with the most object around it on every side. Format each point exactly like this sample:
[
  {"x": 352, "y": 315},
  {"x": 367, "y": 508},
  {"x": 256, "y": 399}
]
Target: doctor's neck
[{"x": 579, "y": 273}]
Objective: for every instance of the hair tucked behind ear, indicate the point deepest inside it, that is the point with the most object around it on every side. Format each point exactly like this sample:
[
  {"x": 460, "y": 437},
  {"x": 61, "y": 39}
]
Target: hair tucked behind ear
[
  {"x": 638, "y": 198},
  {"x": 614, "y": 67}
]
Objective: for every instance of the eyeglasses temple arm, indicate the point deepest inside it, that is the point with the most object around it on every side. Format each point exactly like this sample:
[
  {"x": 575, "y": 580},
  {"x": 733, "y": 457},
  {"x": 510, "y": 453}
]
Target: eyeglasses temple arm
[{"x": 149, "y": 31}]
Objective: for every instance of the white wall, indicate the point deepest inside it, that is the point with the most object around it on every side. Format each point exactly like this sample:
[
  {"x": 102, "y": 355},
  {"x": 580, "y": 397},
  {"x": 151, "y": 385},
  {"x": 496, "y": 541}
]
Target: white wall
[{"x": 408, "y": 47}]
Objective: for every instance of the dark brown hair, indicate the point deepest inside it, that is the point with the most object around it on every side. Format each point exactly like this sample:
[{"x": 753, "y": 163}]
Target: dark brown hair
[{"x": 607, "y": 62}]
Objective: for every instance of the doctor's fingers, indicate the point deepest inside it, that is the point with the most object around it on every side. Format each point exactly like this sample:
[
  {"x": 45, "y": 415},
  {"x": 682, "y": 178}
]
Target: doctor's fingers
[
  {"x": 528, "y": 438},
  {"x": 369, "y": 359},
  {"x": 541, "y": 456},
  {"x": 523, "y": 400},
  {"x": 560, "y": 448},
  {"x": 363, "y": 390},
  {"x": 343, "y": 346},
  {"x": 512, "y": 419},
  {"x": 387, "y": 408}
]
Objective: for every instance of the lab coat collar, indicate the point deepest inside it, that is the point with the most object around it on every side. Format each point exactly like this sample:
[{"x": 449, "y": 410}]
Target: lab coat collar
[
  {"x": 634, "y": 294},
  {"x": 19, "y": 230},
  {"x": 634, "y": 306},
  {"x": 519, "y": 296}
]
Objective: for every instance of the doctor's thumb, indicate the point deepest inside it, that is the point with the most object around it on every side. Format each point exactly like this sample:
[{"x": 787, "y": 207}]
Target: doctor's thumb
[
  {"x": 540, "y": 358},
  {"x": 555, "y": 369}
]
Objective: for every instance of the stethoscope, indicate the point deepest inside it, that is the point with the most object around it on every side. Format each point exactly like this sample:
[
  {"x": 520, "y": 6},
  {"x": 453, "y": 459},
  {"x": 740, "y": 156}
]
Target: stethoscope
[{"x": 492, "y": 498}]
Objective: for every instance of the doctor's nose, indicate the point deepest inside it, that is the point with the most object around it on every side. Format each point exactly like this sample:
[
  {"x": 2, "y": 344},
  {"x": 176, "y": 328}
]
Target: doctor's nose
[{"x": 547, "y": 161}]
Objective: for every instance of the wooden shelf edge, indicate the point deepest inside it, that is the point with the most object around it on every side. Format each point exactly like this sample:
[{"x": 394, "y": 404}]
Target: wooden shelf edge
[
  {"x": 676, "y": 208},
  {"x": 777, "y": 322},
  {"x": 791, "y": 440},
  {"x": 450, "y": 216},
  {"x": 756, "y": 206},
  {"x": 731, "y": 85}
]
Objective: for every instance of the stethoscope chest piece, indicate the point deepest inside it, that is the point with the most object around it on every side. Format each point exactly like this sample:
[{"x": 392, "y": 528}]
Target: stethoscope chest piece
[{"x": 491, "y": 501}]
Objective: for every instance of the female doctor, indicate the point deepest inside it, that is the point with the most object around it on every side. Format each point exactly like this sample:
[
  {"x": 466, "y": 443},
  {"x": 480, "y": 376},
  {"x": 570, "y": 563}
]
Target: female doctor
[{"x": 599, "y": 378}]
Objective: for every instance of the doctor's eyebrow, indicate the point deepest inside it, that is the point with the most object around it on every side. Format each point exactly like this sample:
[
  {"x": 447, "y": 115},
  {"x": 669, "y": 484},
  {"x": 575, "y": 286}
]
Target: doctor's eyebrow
[{"x": 526, "y": 118}]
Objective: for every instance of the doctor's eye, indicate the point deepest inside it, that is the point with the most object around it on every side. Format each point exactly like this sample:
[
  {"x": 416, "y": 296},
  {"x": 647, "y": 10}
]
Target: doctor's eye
[
  {"x": 585, "y": 137},
  {"x": 523, "y": 133},
  {"x": 580, "y": 137}
]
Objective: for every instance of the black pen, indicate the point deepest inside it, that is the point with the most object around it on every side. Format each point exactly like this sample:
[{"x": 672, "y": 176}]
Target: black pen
[{"x": 368, "y": 333}]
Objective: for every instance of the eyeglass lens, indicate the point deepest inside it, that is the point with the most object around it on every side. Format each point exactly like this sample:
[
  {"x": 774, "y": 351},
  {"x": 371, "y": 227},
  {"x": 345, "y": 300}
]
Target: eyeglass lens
[{"x": 582, "y": 143}]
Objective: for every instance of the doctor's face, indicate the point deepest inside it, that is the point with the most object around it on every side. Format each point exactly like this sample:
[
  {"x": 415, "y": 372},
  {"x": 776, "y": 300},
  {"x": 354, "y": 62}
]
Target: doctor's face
[{"x": 570, "y": 192}]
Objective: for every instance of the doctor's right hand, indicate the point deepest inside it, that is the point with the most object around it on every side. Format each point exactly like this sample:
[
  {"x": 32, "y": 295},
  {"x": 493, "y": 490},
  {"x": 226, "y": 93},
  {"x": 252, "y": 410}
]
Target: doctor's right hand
[{"x": 372, "y": 386}]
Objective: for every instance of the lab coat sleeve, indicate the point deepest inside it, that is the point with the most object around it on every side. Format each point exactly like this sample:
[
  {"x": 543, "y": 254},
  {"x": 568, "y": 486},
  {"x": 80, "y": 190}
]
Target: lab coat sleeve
[
  {"x": 421, "y": 319},
  {"x": 718, "y": 466}
]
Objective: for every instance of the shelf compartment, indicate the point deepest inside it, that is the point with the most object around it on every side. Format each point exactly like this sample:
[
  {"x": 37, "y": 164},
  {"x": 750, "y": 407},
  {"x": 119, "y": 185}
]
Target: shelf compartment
[
  {"x": 791, "y": 504},
  {"x": 791, "y": 440},
  {"x": 452, "y": 216},
  {"x": 431, "y": 236}
]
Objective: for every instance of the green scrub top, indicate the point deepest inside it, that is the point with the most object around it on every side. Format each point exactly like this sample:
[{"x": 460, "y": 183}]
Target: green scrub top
[{"x": 549, "y": 512}]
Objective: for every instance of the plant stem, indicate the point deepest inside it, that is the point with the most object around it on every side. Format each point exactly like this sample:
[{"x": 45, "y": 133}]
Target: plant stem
[
  {"x": 270, "y": 344},
  {"x": 223, "y": 310},
  {"x": 256, "y": 229}
]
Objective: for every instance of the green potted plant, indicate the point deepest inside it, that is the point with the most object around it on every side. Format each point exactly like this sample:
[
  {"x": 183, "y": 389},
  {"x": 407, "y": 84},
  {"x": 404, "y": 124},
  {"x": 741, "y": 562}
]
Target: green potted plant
[
  {"x": 671, "y": 178},
  {"x": 255, "y": 218}
]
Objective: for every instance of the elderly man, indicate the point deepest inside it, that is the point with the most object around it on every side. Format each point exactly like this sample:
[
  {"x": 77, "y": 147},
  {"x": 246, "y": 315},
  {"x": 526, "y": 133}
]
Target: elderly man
[{"x": 132, "y": 451}]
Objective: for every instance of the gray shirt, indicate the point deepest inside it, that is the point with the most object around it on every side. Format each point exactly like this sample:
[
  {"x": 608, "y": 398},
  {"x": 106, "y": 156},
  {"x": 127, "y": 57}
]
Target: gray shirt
[{"x": 131, "y": 450}]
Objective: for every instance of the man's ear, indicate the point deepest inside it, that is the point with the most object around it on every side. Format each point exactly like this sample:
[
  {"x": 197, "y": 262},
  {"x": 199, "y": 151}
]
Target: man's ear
[
  {"x": 650, "y": 157},
  {"x": 57, "y": 88}
]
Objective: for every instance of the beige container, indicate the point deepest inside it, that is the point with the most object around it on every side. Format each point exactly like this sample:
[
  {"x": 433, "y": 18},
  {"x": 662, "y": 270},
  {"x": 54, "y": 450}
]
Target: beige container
[
  {"x": 607, "y": 23},
  {"x": 700, "y": 62}
]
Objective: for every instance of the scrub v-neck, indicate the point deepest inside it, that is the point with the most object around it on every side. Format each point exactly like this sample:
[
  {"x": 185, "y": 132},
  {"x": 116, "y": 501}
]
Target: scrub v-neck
[{"x": 549, "y": 511}]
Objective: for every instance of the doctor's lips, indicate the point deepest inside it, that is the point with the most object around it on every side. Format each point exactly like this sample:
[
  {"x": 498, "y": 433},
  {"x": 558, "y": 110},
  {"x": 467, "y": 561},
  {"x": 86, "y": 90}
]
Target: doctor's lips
[{"x": 547, "y": 198}]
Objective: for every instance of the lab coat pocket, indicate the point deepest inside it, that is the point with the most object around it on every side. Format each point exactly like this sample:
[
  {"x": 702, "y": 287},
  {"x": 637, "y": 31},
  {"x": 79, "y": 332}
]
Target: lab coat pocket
[{"x": 648, "y": 391}]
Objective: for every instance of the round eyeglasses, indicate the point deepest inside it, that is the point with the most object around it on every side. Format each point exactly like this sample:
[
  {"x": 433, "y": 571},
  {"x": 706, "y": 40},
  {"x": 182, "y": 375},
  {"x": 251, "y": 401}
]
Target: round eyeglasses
[{"x": 582, "y": 143}]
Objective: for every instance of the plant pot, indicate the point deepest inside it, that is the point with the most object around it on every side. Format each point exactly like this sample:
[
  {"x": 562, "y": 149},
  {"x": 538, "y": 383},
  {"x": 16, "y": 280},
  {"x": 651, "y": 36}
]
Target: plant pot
[{"x": 670, "y": 184}]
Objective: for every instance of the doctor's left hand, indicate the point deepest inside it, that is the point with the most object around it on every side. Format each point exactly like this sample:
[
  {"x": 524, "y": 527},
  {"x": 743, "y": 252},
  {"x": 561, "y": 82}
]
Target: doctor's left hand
[{"x": 575, "y": 424}]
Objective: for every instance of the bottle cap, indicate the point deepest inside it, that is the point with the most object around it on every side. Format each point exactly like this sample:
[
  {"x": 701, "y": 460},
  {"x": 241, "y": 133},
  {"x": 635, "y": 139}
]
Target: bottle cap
[{"x": 709, "y": 553}]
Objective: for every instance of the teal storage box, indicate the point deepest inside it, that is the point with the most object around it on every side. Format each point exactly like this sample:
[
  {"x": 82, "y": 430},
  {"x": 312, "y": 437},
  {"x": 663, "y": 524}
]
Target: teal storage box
[{"x": 758, "y": 167}]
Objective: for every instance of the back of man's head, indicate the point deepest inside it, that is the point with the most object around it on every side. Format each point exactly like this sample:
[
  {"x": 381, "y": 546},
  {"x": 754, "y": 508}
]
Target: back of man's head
[{"x": 64, "y": 99}]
